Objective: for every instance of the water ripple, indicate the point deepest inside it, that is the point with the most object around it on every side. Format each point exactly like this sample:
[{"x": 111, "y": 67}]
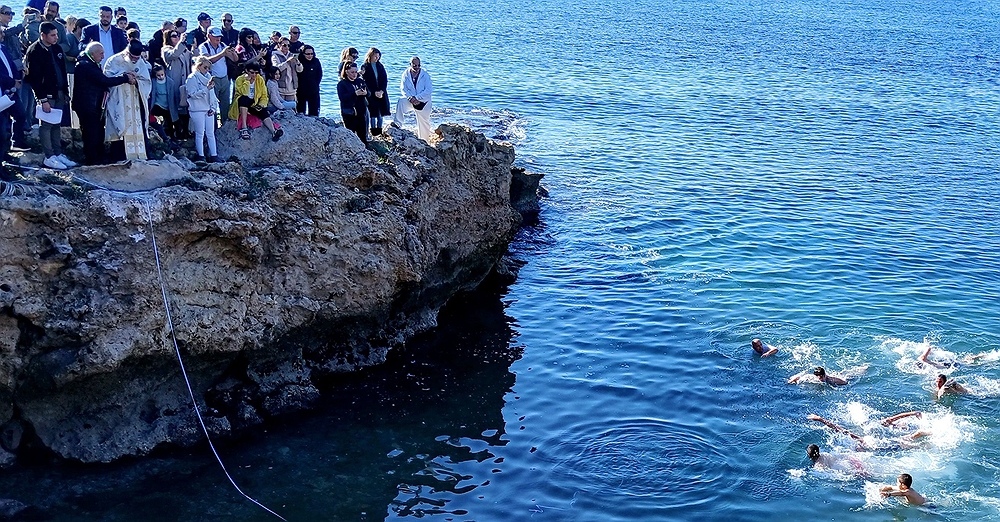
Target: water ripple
[{"x": 668, "y": 464}]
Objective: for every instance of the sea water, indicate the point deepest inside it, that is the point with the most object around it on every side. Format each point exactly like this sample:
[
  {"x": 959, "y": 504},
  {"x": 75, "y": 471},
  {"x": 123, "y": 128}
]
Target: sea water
[{"x": 822, "y": 175}]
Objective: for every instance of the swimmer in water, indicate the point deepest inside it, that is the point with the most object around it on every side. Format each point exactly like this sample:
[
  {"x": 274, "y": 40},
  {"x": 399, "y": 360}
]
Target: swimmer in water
[
  {"x": 903, "y": 489},
  {"x": 943, "y": 387},
  {"x": 820, "y": 374},
  {"x": 903, "y": 442},
  {"x": 763, "y": 349},
  {"x": 923, "y": 359},
  {"x": 843, "y": 463},
  {"x": 968, "y": 359}
]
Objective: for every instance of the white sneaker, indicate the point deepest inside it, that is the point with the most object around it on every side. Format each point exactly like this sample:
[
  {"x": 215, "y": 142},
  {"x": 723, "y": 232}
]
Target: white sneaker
[
  {"x": 53, "y": 162},
  {"x": 66, "y": 161}
]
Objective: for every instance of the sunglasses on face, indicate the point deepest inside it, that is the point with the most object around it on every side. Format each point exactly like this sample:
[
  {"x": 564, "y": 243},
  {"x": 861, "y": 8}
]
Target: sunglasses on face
[{"x": 8, "y": 13}]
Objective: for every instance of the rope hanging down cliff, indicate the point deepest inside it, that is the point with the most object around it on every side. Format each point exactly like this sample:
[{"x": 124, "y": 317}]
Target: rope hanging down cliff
[
  {"x": 177, "y": 350},
  {"x": 180, "y": 360}
]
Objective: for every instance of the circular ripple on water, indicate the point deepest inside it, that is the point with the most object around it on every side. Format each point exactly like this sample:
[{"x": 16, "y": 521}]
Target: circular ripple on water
[{"x": 674, "y": 464}]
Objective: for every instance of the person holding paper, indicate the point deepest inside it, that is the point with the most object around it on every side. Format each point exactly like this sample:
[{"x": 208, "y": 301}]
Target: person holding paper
[
  {"x": 45, "y": 65},
  {"x": 9, "y": 77}
]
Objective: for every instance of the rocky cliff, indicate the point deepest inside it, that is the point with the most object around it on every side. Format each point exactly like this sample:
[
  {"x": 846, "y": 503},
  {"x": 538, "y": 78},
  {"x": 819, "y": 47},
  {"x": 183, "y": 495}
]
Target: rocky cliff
[{"x": 293, "y": 261}]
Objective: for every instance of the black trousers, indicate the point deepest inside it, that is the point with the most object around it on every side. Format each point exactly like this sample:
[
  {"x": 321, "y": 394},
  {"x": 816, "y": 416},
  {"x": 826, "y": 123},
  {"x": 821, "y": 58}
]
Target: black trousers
[
  {"x": 358, "y": 124},
  {"x": 92, "y": 129},
  {"x": 245, "y": 101},
  {"x": 308, "y": 103}
]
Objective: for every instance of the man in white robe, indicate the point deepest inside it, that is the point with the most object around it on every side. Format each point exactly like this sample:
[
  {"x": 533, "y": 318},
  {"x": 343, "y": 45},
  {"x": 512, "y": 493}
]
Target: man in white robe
[
  {"x": 127, "y": 112},
  {"x": 416, "y": 89}
]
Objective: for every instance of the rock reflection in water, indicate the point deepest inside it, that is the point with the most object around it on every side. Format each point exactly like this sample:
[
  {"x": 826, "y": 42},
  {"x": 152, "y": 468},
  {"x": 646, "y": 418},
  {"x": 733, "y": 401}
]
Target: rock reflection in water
[{"x": 388, "y": 442}]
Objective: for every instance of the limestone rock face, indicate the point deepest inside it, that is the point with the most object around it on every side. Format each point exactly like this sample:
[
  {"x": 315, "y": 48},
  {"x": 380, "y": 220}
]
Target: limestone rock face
[{"x": 309, "y": 256}]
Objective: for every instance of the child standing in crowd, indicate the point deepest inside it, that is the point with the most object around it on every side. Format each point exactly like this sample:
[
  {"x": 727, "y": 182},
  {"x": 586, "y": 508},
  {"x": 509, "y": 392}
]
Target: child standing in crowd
[{"x": 163, "y": 104}]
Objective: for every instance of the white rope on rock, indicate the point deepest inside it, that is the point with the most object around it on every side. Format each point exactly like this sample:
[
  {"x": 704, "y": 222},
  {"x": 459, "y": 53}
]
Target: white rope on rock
[
  {"x": 7, "y": 189},
  {"x": 180, "y": 360}
]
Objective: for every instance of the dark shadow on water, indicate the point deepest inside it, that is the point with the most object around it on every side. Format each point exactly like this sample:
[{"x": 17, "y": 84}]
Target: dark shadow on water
[{"x": 387, "y": 439}]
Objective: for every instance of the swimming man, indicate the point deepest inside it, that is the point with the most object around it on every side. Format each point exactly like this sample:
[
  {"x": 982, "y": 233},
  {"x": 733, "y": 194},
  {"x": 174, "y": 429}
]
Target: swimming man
[
  {"x": 897, "y": 443},
  {"x": 944, "y": 386},
  {"x": 820, "y": 374},
  {"x": 904, "y": 490},
  {"x": 923, "y": 359},
  {"x": 844, "y": 463},
  {"x": 763, "y": 349}
]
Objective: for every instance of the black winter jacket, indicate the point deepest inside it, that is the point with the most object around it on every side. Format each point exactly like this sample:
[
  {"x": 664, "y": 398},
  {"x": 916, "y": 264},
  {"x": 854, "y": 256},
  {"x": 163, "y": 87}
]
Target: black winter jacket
[{"x": 90, "y": 85}]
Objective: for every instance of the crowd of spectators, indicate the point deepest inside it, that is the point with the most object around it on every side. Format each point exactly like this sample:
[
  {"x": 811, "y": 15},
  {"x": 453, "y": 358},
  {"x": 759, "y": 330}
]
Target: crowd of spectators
[{"x": 116, "y": 85}]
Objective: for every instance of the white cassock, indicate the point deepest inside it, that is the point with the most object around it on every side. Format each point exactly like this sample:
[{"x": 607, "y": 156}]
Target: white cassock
[
  {"x": 421, "y": 90},
  {"x": 127, "y": 105}
]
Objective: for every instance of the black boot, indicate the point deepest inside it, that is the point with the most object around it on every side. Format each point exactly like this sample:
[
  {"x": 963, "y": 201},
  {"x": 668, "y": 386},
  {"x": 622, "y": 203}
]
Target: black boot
[{"x": 376, "y": 131}]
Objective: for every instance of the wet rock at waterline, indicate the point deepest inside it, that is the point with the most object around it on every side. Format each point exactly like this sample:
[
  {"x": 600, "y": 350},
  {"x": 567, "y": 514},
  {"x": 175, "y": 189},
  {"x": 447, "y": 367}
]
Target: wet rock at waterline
[{"x": 296, "y": 260}]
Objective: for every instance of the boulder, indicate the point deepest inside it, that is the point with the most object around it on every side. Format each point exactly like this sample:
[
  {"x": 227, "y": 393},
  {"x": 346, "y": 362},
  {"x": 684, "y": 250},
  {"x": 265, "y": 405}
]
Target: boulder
[{"x": 298, "y": 259}]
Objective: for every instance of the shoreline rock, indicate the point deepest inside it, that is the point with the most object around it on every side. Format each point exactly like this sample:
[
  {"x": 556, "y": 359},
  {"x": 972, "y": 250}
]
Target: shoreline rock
[{"x": 307, "y": 257}]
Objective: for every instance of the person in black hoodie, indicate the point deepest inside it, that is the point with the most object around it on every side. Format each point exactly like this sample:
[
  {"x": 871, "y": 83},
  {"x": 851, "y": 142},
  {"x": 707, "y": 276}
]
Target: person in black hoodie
[
  {"x": 88, "y": 99},
  {"x": 309, "y": 78},
  {"x": 373, "y": 74}
]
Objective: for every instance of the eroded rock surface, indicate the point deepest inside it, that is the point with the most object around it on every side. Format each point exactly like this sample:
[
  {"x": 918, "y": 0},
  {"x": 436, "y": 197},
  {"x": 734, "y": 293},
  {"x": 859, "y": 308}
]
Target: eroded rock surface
[{"x": 308, "y": 256}]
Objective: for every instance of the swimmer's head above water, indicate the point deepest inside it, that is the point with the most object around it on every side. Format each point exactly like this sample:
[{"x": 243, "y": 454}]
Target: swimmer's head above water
[
  {"x": 757, "y": 345},
  {"x": 819, "y": 372},
  {"x": 813, "y": 451}
]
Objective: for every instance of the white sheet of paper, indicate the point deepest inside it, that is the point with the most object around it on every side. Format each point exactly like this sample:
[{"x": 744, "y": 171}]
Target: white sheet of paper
[{"x": 54, "y": 116}]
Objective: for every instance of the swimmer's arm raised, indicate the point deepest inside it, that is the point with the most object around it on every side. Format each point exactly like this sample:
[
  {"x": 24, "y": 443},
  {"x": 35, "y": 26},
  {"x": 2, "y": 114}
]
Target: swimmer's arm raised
[
  {"x": 834, "y": 427},
  {"x": 923, "y": 358},
  {"x": 900, "y": 416}
]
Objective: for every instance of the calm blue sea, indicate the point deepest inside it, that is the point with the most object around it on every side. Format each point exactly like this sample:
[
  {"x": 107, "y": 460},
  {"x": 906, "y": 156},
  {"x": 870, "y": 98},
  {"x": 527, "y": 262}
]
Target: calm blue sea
[{"x": 819, "y": 174}]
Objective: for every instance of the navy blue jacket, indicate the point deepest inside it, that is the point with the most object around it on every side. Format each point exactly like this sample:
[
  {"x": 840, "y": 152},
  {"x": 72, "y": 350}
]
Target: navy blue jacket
[
  {"x": 118, "y": 39},
  {"x": 351, "y": 103},
  {"x": 7, "y": 80}
]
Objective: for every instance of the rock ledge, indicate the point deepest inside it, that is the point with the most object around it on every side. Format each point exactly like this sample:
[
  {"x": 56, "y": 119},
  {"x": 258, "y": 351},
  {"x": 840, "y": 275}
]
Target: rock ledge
[{"x": 304, "y": 258}]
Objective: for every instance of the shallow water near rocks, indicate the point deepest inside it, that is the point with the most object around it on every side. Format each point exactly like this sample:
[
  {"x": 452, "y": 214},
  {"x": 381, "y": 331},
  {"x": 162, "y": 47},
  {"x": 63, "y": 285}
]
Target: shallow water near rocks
[{"x": 821, "y": 176}]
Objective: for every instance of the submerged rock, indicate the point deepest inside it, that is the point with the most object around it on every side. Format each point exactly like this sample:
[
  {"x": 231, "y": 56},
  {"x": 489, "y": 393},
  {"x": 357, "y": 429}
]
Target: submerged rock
[{"x": 305, "y": 257}]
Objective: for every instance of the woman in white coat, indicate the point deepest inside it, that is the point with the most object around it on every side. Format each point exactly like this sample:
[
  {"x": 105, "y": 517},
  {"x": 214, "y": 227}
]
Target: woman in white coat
[{"x": 202, "y": 105}]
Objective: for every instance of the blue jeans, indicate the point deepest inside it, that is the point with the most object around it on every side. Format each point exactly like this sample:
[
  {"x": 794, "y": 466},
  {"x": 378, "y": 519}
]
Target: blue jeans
[{"x": 27, "y": 98}]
